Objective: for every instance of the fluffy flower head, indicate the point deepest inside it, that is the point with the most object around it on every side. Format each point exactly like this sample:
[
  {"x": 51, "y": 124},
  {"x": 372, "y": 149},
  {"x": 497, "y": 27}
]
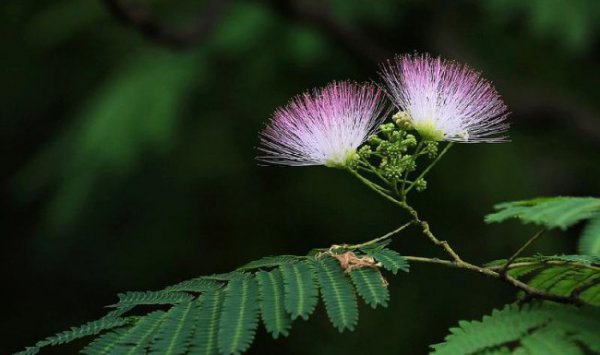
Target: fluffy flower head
[
  {"x": 444, "y": 100},
  {"x": 322, "y": 127}
]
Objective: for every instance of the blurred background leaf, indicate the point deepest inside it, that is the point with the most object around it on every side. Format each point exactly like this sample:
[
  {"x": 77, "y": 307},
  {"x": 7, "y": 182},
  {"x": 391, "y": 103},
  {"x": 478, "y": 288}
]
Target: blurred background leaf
[
  {"x": 134, "y": 112},
  {"x": 573, "y": 25}
]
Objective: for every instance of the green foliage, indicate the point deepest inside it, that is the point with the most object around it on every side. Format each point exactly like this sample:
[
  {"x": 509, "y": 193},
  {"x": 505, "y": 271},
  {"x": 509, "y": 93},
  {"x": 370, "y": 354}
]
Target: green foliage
[
  {"x": 548, "y": 341},
  {"x": 530, "y": 329},
  {"x": 551, "y": 212},
  {"x": 270, "y": 262},
  {"x": 152, "y": 297},
  {"x": 105, "y": 343},
  {"x": 541, "y": 260},
  {"x": 301, "y": 291},
  {"x": 239, "y": 318},
  {"x": 390, "y": 259},
  {"x": 138, "y": 338},
  {"x": 30, "y": 350},
  {"x": 582, "y": 259},
  {"x": 371, "y": 286},
  {"x": 175, "y": 333},
  {"x": 218, "y": 314},
  {"x": 207, "y": 327},
  {"x": 136, "y": 110},
  {"x": 56, "y": 23},
  {"x": 199, "y": 284},
  {"x": 568, "y": 281},
  {"x": 576, "y": 276},
  {"x": 249, "y": 30},
  {"x": 90, "y": 328},
  {"x": 272, "y": 306},
  {"x": 571, "y": 24},
  {"x": 227, "y": 276},
  {"x": 338, "y": 294},
  {"x": 589, "y": 243}
]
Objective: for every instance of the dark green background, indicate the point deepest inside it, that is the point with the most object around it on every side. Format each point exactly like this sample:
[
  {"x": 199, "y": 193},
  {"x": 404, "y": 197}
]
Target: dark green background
[{"x": 129, "y": 164}]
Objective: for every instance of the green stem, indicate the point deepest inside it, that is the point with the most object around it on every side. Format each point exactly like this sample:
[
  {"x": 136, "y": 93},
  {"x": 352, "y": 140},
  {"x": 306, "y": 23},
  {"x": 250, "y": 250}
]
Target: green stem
[
  {"x": 545, "y": 262},
  {"x": 530, "y": 291},
  {"x": 431, "y": 165},
  {"x": 373, "y": 186},
  {"x": 406, "y": 173},
  {"x": 520, "y": 250},
  {"x": 427, "y": 232},
  {"x": 370, "y": 168},
  {"x": 379, "y": 239},
  {"x": 415, "y": 216},
  {"x": 456, "y": 261}
]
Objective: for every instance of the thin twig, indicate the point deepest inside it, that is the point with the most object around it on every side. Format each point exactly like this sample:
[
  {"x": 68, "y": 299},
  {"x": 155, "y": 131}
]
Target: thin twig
[
  {"x": 379, "y": 239},
  {"x": 373, "y": 186},
  {"x": 421, "y": 259},
  {"x": 373, "y": 170},
  {"x": 426, "y": 170},
  {"x": 530, "y": 291},
  {"x": 456, "y": 261},
  {"x": 520, "y": 250},
  {"x": 424, "y": 225},
  {"x": 546, "y": 262},
  {"x": 406, "y": 173},
  {"x": 427, "y": 232}
]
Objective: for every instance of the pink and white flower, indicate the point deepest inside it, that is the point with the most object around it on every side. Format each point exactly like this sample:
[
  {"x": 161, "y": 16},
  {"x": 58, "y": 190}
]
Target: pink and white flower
[
  {"x": 444, "y": 100},
  {"x": 322, "y": 127}
]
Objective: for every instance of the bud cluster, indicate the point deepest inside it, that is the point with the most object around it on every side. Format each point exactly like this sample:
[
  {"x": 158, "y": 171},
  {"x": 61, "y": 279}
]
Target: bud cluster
[{"x": 394, "y": 151}]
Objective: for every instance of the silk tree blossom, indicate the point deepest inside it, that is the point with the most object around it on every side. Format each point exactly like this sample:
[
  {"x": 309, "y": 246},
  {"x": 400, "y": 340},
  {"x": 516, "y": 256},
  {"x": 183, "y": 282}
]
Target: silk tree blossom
[
  {"x": 323, "y": 127},
  {"x": 444, "y": 100}
]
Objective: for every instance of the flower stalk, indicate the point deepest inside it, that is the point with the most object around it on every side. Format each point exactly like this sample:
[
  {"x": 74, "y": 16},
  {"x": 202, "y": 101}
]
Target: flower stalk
[
  {"x": 455, "y": 260},
  {"x": 426, "y": 170}
]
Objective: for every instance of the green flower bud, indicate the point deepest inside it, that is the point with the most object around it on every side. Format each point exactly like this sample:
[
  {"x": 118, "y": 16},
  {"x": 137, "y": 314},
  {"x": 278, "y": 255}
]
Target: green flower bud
[
  {"x": 410, "y": 140},
  {"x": 383, "y": 163},
  {"x": 420, "y": 185},
  {"x": 386, "y": 127},
  {"x": 384, "y": 147},
  {"x": 393, "y": 173},
  {"x": 374, "y": 140},
  {"x": 365, "y": 151},
  {"x": 396, "y": 136},
  {"x": 408, "y": 163},
  {"x": 395, "y": 149},
  {"x": 352, "y": 163},
  {"x": 431, "y": 148}
]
